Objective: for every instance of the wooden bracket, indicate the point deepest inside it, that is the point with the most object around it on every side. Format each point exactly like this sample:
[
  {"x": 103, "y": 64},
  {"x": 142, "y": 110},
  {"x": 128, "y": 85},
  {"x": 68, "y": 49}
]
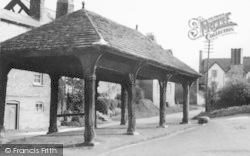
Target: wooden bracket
[
  {"x": 89, "y": 63},
  {"x": 138, "y": 67}
]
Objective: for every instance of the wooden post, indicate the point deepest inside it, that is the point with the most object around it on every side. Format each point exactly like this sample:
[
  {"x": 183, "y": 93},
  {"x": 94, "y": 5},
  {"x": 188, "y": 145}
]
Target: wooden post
[
  {"x": 4, "y": 70},
  {"x": 89, "y": 62},
  {"x": 163, "y": 86},
  {"x": 131, "y": 102},
  {"x": 53, "y": 103},
  {"x": 124, "y": 101},
  {"x": 89, "y": 133},
  {"x": 163, "y": 95},
  {"x": 186, "y": 96},
  {"x": 96, "y": 96}
]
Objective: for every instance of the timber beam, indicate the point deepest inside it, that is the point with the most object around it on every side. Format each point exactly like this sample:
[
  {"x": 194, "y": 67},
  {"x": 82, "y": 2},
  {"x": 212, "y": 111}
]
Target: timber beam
[
  {"x": 54, "y": 77},
  {"x": 186, "y": 99},
  {"x": 4, "y": 70},
  {"x": 89, "y": 62},
  {"x": 163, "y": 95},
  {"x": 131, "y": 85}
]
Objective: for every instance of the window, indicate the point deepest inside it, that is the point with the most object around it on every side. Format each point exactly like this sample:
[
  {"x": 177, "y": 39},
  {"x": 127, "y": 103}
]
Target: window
[
  {"x": 39, "y": 107},
  {"x": 38, "y": 79},
  {"x": 214, "y": 73}
]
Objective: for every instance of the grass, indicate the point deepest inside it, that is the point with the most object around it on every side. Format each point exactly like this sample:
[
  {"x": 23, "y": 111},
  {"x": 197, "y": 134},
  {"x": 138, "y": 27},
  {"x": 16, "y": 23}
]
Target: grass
[
  {"x": 145, "y": 109},
  {"x": 226, "y": 112}
]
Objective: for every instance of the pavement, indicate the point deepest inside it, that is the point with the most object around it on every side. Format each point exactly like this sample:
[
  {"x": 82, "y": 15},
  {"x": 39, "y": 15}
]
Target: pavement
[
  {"x": 110, "y": 135},
  {"x": 225, "y": 136}
]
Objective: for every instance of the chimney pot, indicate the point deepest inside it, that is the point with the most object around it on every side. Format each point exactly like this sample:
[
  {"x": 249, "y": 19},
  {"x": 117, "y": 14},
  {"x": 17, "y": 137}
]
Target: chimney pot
[
  {"x": 236, "y": 56},
  {"x": 64, "y": 7},
  {"x": 36, "y": 8}
]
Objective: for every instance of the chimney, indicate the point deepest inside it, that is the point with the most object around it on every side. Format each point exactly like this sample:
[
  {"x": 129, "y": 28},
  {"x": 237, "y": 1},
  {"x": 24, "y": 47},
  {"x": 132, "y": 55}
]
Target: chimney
[
  {"x": 236, "y": 56},
  {"x": 200, "y": 61},
  {"x": 36, "y": 8},
  {"x": 64, "y": 7}
]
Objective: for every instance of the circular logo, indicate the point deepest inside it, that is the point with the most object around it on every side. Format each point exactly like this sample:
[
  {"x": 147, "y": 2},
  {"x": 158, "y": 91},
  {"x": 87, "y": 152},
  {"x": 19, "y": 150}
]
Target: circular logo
[{"x": 7, "y": 150}]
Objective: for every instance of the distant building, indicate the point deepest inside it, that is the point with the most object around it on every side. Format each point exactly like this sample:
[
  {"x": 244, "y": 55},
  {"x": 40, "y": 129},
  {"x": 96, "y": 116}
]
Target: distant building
[
  {"x": 152, "y": 91},
  {"x": 220, "y": 70},
  {"x": 151, "y": 87}
]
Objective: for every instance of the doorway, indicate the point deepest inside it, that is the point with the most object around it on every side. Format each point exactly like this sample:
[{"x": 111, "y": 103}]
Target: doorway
[{"x": 11, "y": 116}]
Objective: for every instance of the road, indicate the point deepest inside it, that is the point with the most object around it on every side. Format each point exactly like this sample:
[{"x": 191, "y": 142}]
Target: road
[{"x": 228, "y": 136}]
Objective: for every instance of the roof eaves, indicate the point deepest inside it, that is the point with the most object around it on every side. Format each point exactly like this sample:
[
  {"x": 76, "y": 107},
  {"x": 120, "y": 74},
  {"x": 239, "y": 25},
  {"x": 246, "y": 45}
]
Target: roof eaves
[
  {"x": 16, "y": 23},
  {"x": 151, "y": 62},
  {"x": 219, "y": 66}
]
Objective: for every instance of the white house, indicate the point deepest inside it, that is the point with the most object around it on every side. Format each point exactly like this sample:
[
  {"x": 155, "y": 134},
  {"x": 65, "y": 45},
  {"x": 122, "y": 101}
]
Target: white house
[
  {"x": 28, "y": 93},
  {"x": 220, "y": 70}
]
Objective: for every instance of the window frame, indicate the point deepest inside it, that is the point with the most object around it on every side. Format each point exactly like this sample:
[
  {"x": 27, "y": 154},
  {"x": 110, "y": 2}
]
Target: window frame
[
  {"x": 39, "y": 107},
  {"x": 214, "y": 73},
  {"x": 38, "y": 79}
]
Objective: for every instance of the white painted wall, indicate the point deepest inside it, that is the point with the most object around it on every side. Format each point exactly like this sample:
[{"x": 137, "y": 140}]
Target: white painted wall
[
  {"x": 170, "y": 96},
  {"x": 20, "y": 88},
  {"x": 220, "y": 79},
  {"x": 10, "y": 30},
  {"x": 248, "y": 75}
]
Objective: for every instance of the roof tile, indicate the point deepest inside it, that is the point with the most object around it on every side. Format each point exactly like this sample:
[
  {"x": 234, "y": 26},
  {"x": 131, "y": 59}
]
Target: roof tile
[{"x": 83, "y": 28}]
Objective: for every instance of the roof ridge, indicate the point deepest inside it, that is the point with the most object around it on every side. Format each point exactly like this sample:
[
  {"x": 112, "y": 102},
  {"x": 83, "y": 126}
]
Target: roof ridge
[
  {"x": 101, "y": 41},
  {"x": 124, "y": 26},
  {"x": 114, "y": 21}
]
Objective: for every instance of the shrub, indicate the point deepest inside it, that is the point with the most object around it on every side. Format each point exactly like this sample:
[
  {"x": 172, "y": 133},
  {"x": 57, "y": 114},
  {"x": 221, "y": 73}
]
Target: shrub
[
  {"x": 139, "y": 94},
  {"x": 235, "y": 93},
  {"x": 118, "y": 97},
  {"x": 211, "y": 98},
  {"x": 102, "y": 105}
]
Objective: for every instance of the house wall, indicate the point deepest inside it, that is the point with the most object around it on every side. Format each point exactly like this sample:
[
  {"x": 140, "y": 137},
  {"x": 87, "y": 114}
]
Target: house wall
[
  {"x": 10, "y": 30},
  {"x": 20, "y": 88},
  {"x": 220, "y": 79},
  {"x": 248, "y": 75},
  {"x": 170, "y": 96}
]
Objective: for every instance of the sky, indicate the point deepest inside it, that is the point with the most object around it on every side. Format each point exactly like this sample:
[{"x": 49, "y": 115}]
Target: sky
[{"x": 168, "y": 21}]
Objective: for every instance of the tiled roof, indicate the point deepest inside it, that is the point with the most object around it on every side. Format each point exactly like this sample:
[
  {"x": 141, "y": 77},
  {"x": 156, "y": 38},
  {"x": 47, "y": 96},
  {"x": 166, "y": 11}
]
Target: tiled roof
[
  {"x": 84, "y": 28},
  {"x": 224, "y": 63}
]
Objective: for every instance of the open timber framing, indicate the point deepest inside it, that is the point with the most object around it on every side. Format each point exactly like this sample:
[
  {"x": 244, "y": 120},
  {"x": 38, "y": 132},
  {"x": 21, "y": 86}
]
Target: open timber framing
[{"x": 99, "y": 57}]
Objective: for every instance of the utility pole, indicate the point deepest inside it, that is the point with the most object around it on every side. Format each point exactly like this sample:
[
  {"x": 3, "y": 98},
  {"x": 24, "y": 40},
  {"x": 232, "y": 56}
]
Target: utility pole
[{"x": 208, "y": 52}]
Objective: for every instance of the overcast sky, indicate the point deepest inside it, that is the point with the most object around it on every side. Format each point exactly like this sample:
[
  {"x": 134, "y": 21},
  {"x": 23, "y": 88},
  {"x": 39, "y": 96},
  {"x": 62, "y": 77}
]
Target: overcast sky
[{"x": 168, "y": 20}]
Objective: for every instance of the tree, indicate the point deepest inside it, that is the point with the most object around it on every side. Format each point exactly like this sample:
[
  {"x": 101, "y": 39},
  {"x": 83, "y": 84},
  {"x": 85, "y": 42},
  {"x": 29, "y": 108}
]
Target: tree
[
  {"x": 71, "y": 93},
  {"x": 235, "y": 93}
]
